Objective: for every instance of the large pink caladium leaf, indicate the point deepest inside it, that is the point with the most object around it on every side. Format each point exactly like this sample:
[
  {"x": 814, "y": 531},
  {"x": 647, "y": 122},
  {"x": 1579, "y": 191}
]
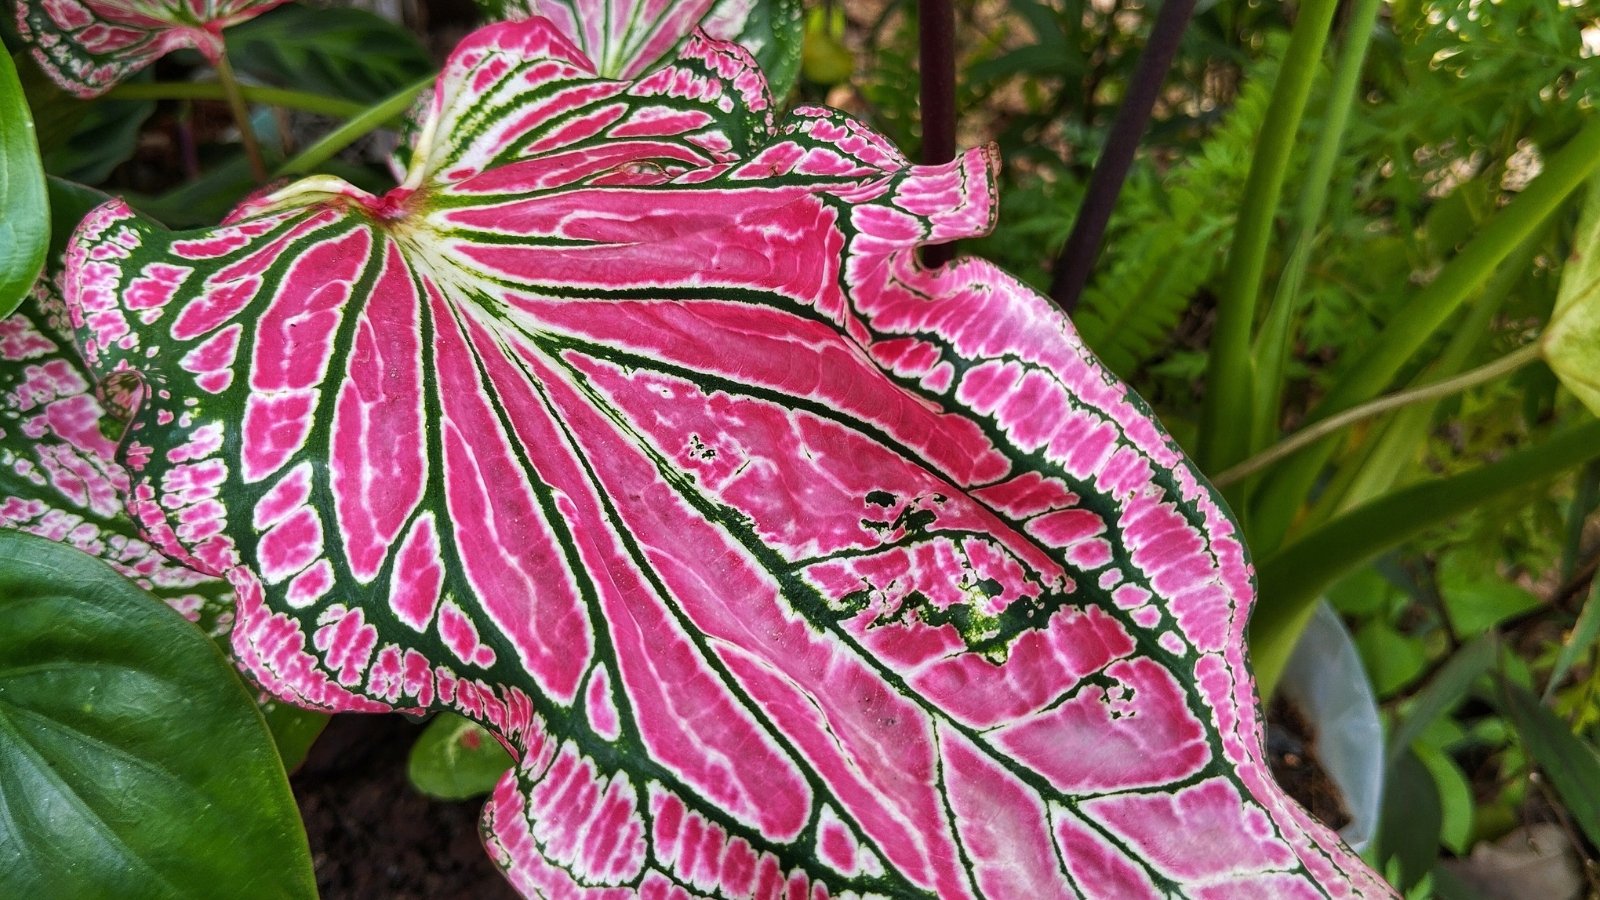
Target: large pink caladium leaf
[
  {"x": 87, "y": 46},
  {"x": 58, "y": 477},
  {"x": 630, "y": 426}
]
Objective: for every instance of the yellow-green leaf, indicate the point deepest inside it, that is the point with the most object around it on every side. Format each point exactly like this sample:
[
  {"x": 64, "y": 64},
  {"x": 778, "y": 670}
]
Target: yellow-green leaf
[{"x": 1571, "y": 342}]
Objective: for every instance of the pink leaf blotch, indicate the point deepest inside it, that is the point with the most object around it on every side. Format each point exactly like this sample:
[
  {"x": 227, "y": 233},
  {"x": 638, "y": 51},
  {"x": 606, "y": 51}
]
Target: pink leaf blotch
[{"x": 631, "y": 427}]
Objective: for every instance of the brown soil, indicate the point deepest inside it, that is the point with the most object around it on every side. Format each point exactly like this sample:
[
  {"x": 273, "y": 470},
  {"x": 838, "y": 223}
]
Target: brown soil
[
  {"x": 1292, "y": 754},
  {"x": 373, "y": 837}
]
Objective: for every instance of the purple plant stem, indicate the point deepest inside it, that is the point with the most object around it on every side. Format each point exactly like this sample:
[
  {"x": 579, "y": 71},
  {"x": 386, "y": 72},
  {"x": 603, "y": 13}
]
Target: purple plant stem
[
  {"x": 936, "y": 31},
  {"x": 1122, "y": 142}
]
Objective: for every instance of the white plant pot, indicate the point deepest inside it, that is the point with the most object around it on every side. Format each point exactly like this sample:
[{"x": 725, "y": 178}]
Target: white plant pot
[{"x": 1324, "y": 679}]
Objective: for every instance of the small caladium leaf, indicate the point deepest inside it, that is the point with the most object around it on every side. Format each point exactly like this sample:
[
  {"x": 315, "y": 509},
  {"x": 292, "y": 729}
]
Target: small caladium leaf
[
  {"x": 58, "y": 477},
  {"x": 87, "y": 46},
  {"x": 132, "y": 761},
  {"x": 1571, "y": 342},
  {"x": 630, "y": 427},
  {"x": 455, "y": 758}
]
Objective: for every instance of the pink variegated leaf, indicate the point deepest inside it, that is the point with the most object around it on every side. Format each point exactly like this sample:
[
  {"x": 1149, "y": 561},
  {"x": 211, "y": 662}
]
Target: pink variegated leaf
[
  {"x": 87, "y": 46},
  {"x": 630, "y": 427},
  {"x": 626, "y": 39},
  {"x": 623, "y": 38},
  {"x": 58, "y": 477}
]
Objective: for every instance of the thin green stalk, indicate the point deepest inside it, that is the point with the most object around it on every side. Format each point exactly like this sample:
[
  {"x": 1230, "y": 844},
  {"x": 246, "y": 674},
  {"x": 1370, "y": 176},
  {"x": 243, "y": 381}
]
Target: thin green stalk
[
  {"x": 241, "y": 117},
  {"x": 1292, "y": 579},
  {"x": 1272, "y": 345},
  {"x": 213, "y": 90},
  {"x": 370, "y": 119},
  {"x": 1322, "y": 428},
  {"x": 1564, "y": 172},
  {"x": 1225, "y": 427}
]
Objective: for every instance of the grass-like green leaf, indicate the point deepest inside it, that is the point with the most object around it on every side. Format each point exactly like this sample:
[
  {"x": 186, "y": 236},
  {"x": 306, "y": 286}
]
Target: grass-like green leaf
[
  {"x": 1570, "y": 763},
  {"x": 132, "y": 760},
  {"x": 1293, "y": 578}
]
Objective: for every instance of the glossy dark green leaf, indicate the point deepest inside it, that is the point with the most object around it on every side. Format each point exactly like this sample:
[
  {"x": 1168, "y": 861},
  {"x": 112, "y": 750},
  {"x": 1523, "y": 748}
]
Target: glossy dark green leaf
[
  {"x": 105, "y": 137},
  {"x": 456, "y": 758},
  {"x": 132, "y": 761},
  {"x": 1570, "y": 763},
  {"x": 340, "y": 52},
  {"x": 24, "y": 217}
]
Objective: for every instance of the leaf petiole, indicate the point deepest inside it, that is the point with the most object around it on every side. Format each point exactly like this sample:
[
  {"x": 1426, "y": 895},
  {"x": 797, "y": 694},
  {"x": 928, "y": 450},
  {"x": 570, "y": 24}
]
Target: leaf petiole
[{"x": 241, "y": 116}]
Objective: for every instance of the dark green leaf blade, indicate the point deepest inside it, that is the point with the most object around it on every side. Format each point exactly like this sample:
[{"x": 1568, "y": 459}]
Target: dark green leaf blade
[
  {"x": 1408, "y": 832},
  {"x": 69, "y": 203},
  {"x": 134, "y": 763},
  {"x": 1584, "y": 633},
  {"x": 1443, "y": 691},
  {"x": 350, "y": 53},
  {"x": 1571, "y": 764},
  {"x": 24, "y": 214}
]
